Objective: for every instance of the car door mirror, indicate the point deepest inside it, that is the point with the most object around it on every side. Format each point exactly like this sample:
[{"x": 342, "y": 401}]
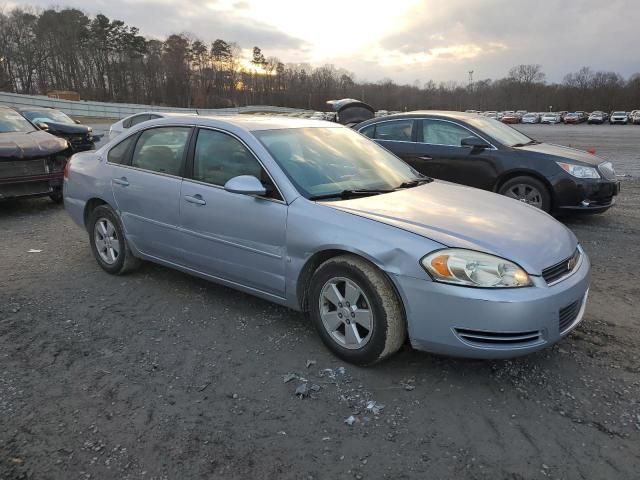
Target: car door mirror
[
  {"x": 42, "y": 126},
  {"x": 245, "y": 185},
  {"x": 475, "y": 143}
]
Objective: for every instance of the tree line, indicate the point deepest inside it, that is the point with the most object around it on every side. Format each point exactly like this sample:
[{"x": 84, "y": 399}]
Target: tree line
[{"x": 105, "y": 59}]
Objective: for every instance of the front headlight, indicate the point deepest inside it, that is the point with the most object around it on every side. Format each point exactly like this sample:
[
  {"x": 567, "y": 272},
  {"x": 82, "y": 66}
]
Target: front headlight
[
  {"x": 474, "y": 269},
  {"x": 579, "y": 171}
]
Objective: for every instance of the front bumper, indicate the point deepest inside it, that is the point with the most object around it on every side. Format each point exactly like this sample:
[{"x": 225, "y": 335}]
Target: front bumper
[
  {"x": 584, "y": 195},
  {"x": 492, "y": 323}
]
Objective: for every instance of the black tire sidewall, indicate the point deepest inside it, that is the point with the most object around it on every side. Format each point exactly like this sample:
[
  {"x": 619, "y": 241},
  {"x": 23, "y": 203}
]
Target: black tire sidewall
[
  {"x": 534, "y": 182},
  {"x": 372, "y": 351},
  {"x": 106, "y": 212}
]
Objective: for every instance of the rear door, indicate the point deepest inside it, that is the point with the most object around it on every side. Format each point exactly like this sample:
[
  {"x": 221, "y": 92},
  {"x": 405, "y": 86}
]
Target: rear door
[
  {"x": 444, "y": 157},
  {"x": 239, "y": 238},
  {"x": 398, "y": 136},
  {"x": 146, "y": 176}
]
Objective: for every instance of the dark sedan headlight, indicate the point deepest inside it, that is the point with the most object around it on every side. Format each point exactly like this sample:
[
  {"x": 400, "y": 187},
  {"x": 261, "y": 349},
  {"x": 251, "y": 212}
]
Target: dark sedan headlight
[
  {"x": 579, "y": 171},
  {"x": 474, "y": 269}
]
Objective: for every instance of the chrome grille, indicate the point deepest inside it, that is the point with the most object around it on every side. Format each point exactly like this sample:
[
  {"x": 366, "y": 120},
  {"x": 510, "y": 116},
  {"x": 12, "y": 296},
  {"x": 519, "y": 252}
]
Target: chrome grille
[
  {"x": 23, "y": 168},
  {"x": 510, "y": 339},
  {"x": 560, "y": 270}
]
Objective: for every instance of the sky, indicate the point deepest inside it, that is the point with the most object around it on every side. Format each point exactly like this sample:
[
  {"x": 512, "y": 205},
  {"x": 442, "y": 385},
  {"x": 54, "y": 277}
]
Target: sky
[{"x": 406, "y": 41}]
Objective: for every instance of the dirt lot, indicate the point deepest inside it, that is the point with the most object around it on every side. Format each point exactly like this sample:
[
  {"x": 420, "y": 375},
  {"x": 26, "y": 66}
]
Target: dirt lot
[{"x": 159, "y": 375}]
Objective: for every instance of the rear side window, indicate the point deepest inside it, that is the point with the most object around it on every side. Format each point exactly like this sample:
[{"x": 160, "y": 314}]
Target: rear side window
[
  {"x": 368, "y": 131},
  {"x": 161, "y": 149},
  {"x": 397, "y": 130},
  {"x": 136, "y": 119},
  {"x": 436, "y": 132},
  {"x": 119, "y": 153}
]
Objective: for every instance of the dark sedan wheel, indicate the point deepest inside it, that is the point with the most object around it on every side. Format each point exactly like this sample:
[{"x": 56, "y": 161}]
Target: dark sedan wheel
[
  {"x": 528, "y": 190},
  {"x": 356, "y": 311},
  {"x": 108, "y": 242}
]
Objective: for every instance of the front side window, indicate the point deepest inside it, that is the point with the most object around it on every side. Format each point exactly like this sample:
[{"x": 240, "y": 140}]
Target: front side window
[
  {"x": 327, "y": 160},
  {"x": 219, "y": 157},
  {"x": 119, "y": 153},
  {"x": 161, "y": 149},
  {"x": 436, "y": 132},
  {"x": 397, "y": 130},
  {"x": 504, "y": 134}
]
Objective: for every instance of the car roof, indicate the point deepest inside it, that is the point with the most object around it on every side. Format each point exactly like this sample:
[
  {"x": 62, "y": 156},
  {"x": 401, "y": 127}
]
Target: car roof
[
  {"x": 444, "y": 114},
  {"x": 245, "y": 122}
]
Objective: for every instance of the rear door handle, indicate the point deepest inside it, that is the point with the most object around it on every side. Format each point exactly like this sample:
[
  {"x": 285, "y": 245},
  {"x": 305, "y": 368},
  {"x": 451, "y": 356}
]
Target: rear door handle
[
  {"x": 197, "y": 199},
  {"x": 121, "y": 181},
  {"x": 425, "y": 157}
]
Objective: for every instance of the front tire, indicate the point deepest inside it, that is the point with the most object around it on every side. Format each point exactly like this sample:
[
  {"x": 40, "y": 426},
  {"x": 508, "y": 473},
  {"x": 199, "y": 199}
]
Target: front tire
[
  {"x": 56, "y": 196},
  {"x": 528, "y": 190},
  {"x": 108, "y": 242},
  {"x": 356, "y": 310}
]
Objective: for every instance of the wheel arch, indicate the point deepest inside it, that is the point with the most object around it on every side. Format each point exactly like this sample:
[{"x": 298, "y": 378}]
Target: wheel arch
[
  {"x": 89, "y": 207},
  {"x": 505, "y": 177},
  {"x": 321, "y": 256}
]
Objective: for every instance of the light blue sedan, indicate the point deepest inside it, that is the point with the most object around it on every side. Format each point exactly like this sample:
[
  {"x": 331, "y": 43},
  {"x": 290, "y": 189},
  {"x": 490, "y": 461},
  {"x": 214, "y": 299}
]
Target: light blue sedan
[{"x": 316, "y": 217}]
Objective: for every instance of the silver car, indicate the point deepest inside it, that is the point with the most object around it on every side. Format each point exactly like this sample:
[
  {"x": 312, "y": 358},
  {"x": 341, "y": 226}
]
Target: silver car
[{"x": 320, "y": 219}]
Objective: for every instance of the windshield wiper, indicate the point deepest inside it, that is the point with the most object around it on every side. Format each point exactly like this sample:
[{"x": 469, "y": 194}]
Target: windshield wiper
[
  {"x": 350, "y": 193},
  {"x": 532, "y": 142},
  {"x": 414, "y": 183}
]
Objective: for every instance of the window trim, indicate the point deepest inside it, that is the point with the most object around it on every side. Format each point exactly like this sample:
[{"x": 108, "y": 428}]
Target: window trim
[
  {"x": 188, "y": 171},
  {"x": 493, "y": 147},
  {"x": 414, "y": 130},
  {"x": 137, "y": 134}
]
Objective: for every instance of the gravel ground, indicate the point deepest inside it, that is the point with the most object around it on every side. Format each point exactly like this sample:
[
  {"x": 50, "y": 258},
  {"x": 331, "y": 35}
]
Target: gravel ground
[{"x": 159, "y": 375}]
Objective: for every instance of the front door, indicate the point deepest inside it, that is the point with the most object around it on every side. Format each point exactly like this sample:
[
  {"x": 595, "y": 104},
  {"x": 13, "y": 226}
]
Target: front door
[
  {"x": 239, "y": 238},
  {"x": 146, "y": 186},
  {"x": 442, "y": 156}
]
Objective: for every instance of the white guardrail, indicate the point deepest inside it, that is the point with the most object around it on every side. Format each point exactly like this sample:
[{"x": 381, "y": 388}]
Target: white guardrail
[{"x": 121, "y": 110}]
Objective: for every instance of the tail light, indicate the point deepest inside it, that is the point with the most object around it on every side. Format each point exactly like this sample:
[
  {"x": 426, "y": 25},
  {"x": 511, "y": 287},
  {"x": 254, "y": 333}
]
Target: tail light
[{"x": 66, "y": 168}]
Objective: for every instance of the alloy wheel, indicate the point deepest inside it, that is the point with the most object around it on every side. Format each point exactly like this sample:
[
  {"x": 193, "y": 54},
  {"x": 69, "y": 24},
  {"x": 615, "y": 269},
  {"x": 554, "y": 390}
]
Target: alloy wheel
[
  {"x": 525, "y": 193},
  {"x": 106, "y": 241},
  {"x": 346, "y": 313}
]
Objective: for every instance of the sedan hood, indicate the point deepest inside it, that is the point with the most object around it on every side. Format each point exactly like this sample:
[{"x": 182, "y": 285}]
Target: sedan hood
[
  {"x": 464, "y": 217},
  {"x": 29, "y": 144},
  {"x": 563, "y": 153},
  {"x": 67, "y": 128}
]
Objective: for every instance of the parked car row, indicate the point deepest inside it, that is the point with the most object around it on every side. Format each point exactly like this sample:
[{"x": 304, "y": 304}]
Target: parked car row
[
  {"x": 35, "y": 143},
  {"x": 595, "y": 117},
  {"x": 317, "y": 217}
]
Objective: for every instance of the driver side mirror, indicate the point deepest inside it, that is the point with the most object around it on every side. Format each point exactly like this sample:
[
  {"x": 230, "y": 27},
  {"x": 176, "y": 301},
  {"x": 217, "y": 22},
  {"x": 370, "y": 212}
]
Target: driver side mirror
[
  {"x": 245, "y": 185},
  {"x": 475, "y": 143},
  {"x": 42, "y": 126}
]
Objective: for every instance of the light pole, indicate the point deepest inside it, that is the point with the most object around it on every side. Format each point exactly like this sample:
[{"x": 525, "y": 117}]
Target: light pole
[{"x": 551, "y": 108}]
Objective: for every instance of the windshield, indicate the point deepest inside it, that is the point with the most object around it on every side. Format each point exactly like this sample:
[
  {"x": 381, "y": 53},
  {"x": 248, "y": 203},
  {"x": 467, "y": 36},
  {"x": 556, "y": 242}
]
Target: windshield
[
  {"x": 328, "y": 160},
  {"x": 11, "y": 121},
  {"x": 47, "y": 116},
  {"x": 619, "y": 113},
  {"x": 502, "y": 133}
]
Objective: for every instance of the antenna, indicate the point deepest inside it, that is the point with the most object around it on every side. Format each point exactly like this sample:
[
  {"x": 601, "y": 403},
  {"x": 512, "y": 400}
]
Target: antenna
[{"x": 470, "y": 78}]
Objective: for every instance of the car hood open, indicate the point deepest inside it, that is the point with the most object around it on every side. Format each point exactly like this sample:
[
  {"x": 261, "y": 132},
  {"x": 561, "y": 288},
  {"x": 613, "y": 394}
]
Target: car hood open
[
  {"x": 464, "y": 217},
  {"x": 563, "y": 153},
  {"x": 17, "y": 145}
]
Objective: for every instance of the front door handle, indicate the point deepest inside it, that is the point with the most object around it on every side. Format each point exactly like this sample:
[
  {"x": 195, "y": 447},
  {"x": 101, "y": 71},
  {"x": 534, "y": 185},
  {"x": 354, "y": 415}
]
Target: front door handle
[
  {"x": 121, "y": 181},
  {"x": 197, "y": 199},
  {"x": 425, "y": 157}
]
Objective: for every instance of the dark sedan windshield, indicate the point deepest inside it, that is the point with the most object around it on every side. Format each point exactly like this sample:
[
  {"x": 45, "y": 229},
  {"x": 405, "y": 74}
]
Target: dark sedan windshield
[
  {"x": 502, "y": 133},
  {"x": 47, "y": 116},
  {"x": 325, "y": 161},
  {"x": 11, "y": 121}
]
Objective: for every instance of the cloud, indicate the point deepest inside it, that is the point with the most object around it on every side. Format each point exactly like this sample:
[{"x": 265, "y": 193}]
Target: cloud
[
  {"x": 206, "y": 20},
  {"x": 491, "y": 36}
]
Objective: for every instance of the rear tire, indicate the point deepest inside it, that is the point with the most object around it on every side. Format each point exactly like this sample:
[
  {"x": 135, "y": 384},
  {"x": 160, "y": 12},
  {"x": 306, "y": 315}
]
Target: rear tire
[
  {"x": 56, "y": 195},
  {"x": 108, "y": 242},
  {"x": 528, "y": 190},
  {"x": 356, "y": 310}
]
